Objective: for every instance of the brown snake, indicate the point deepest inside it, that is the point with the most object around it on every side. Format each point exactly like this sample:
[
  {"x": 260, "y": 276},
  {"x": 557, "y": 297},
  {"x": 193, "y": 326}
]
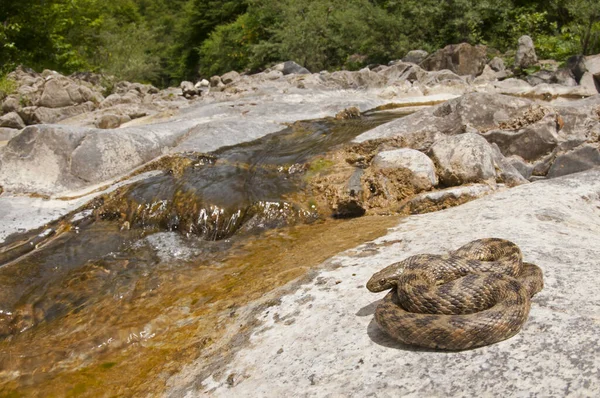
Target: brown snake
[{"x": 474, "y": 296}]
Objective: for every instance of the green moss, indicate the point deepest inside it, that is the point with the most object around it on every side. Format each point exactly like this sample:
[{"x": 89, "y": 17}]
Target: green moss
[
  {"x": 320, "y": 165},
  {"x": 531, "y": 70}
]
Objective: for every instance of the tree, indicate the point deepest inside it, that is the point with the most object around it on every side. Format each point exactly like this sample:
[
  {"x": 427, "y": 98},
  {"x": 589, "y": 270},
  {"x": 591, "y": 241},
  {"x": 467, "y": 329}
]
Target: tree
[{"x": 586, "y": 16}]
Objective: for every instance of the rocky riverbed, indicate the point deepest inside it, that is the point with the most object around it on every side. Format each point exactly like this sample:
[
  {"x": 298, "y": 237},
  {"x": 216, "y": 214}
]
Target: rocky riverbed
[{"x": 215, "y": 238}]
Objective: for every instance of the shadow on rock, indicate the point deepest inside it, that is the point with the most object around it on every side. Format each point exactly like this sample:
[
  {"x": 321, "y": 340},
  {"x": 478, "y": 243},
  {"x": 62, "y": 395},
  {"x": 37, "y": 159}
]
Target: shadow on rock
[
  {"x": 379, "y": 337},
  {"x": 368, "y": 310}
]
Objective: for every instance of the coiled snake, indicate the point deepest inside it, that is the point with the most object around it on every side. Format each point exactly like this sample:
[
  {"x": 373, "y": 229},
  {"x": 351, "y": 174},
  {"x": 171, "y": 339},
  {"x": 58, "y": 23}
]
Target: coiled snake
[{"x": 474, "y": 296}]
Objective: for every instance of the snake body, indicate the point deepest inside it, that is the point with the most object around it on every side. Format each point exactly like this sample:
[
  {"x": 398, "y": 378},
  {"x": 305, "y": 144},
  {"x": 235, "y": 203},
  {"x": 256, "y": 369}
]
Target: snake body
[{"x": 474, "y": 296}]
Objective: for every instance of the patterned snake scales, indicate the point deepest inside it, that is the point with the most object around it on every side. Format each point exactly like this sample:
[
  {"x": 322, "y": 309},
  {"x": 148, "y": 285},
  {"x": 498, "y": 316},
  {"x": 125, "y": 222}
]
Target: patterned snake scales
[{"x": 477, "y": 295}]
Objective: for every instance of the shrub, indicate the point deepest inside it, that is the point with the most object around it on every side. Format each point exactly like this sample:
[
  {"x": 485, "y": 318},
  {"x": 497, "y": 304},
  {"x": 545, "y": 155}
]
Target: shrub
[
  {"x": 227, "y": 48},
  {"x": 7, "y": 86}
]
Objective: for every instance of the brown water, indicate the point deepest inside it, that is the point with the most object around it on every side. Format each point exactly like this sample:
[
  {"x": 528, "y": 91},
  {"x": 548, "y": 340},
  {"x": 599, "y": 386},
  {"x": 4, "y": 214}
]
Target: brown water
[{"x": 119, "y": 300}]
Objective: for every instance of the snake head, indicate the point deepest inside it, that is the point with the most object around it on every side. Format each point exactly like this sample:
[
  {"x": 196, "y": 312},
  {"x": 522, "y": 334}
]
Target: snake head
[{"x": 385, "y": 279}]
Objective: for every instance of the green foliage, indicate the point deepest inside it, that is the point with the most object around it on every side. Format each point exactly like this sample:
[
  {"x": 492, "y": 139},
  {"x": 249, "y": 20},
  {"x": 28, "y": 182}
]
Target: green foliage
[
  {"x": 121, "y": 55},
  {"x": 586, "y": 23},
  {"x": 202, "y": 18},
  {"x": 7, "y": 86},
  {"x": 165, "y": 41},
  {"x": 323, "y": 34},
  {"x": 227, "y": 48}
]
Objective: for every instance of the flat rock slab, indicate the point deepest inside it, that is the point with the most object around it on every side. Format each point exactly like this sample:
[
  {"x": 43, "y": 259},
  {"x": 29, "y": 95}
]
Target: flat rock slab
[
  {"x": 19, "y": 214},
  {"x": 321, "y": 341},
  {"x": 75, "y": 157}
]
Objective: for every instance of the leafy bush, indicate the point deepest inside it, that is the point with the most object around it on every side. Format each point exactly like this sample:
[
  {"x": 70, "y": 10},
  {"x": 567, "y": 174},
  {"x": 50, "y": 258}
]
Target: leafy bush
[
  {"x": 126, "y": 52},
  {"x": 7, "y": 86},
  {"x": 227, "y": 48},
  {"x": 163, "y": 41}
]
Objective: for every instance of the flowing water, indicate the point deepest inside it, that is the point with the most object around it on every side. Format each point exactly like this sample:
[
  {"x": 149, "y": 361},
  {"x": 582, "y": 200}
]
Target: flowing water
[{"x": 121, "y": 294}]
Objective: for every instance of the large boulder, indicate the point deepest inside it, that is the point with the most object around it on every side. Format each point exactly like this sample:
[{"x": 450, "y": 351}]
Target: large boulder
[
  {"x": 131, "y": 97},
  {"x": 11, "y": 104},
  {"x": 592, "y": 64},
  {"x": 497, "y": 64},
  {"x": 50, "y": 159},
  {"x": 463, "y": 158},
  {"x": 565, "y": 77},
  {"x": 526, "y": 56},
  {"x": 576, "y": 64},
  {"x": 110, "y": 121},
  {"x": 414, "y": 73},
  {"x": 506, "y": 172},
  {"x": 230, "y": 77},
  {"x": 488, "y": 75},
  {"x": 37, "y": 160},
  {"x": 439, "y": 77},
  {"x": 363, "y": 79},
  {"x": 189, "y": 89},
  {"x": 473, "y": 111},
  {"x": 55, "y": 95},
  {"x": 462, "y": 59},
  {"x": 394, "y": 72},
  {"x": 579, "y": 159},
  {"x": 38, "y": 115},
  {"x": 540, "y": 77},
  {"x": 529, "y": 142},
  {"x": 215, "y": 81},
  {"x": 518, "y": 163},
  {"x": 12, "y": 120},
  {"x": 589, "y": 83},
  {"x": 580, "y": 119},
  {"x": 7, "y": 134},
  {"x": 415, "y": 56},
  {"x": 419, "y": 165},
  {"x": 291, "y": 68}
]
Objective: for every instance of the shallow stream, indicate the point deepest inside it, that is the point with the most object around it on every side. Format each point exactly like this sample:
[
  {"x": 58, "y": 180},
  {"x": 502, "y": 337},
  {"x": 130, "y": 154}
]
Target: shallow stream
[{"x": 126, "y": 291}]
